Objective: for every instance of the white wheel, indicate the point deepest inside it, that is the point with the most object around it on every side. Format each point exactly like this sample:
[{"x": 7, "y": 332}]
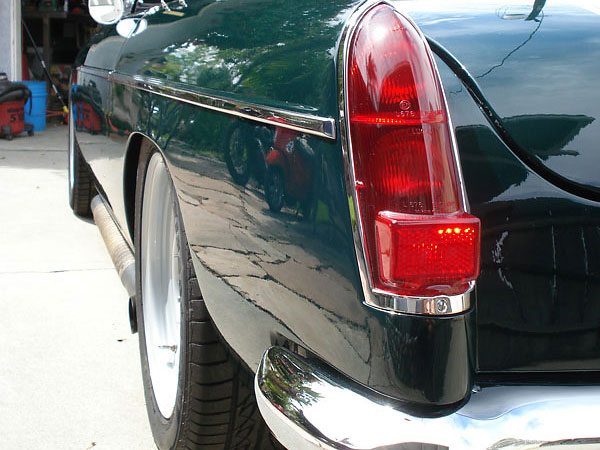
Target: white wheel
[
  {"x": 197, "y": 395},
  {"x": 161, "y": 283}
]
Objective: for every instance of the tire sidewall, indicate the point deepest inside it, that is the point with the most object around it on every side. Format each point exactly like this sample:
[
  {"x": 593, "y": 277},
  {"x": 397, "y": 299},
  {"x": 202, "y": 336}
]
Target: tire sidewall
[
  {"x": 236, "y": 141},
  {"x": 165, "y": 431}
]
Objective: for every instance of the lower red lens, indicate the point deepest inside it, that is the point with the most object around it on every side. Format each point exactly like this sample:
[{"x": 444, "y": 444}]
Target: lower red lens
[{"x": 427, "y": 256}]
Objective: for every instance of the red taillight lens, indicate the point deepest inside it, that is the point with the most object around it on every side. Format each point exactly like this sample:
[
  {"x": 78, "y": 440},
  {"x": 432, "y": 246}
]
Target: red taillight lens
[
  {"x": 420, "y": 255},
  {"x": 406, "y": 175}
]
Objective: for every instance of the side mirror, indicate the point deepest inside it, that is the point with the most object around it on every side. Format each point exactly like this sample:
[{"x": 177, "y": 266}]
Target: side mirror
[
  {"x": 131, "y": 26},
  {"x": 106, "y": 12}
]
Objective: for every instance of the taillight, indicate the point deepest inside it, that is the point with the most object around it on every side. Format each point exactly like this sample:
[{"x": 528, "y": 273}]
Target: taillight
[{"x": 418, "y": 238}]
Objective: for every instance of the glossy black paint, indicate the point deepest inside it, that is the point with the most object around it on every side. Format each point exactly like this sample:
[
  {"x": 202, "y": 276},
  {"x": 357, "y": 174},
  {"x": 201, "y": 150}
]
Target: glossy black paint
[
  {"x": 538, "y": 60},
  {"x": 543, "y": 134},
  {"x": 538, "y": 303},
  {"x": 267, "y": 276},
  {"x": 293, "y": 274}
]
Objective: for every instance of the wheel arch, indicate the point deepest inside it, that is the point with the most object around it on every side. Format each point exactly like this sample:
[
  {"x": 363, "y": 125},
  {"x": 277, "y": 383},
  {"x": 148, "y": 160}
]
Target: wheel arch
[{"x": 132, "y": 156}]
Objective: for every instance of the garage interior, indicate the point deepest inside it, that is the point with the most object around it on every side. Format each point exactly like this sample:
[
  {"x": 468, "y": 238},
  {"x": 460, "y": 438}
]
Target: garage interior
[
  {"x": 59, "y": 29},
  {"x": 69, "y": 369}
]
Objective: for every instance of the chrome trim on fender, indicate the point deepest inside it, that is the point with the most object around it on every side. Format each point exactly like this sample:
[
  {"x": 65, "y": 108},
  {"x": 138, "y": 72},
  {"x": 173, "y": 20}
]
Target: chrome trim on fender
[
  {"x": 301, "y": 122},
  {"x": 102, "y": 73},
  {"x": 439, "y": 305},
  {"x": 309, "y": 406}
]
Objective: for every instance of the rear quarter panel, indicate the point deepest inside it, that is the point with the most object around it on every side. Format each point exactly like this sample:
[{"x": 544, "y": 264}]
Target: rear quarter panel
[
  {"x": 538, "y": 303},
  {"x": 283, "y": 278}
]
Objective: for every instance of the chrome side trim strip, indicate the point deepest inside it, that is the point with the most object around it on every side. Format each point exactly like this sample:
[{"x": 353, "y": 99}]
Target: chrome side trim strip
[
  {"x": 102, "y": 73},
  {"x": 309, "y": 406},
  {"x": 436, "y": 306},
  {"x": 301, "y": 122},
  {"x": 304, "y": 123}
]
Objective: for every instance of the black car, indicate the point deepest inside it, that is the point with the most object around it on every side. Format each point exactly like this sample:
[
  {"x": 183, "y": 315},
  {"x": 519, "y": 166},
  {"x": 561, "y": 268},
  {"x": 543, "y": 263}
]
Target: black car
[{"x": 351, "y": 224}]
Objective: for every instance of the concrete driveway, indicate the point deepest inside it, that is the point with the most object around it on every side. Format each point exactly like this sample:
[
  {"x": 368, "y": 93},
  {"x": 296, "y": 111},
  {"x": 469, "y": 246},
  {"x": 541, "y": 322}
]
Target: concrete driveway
[{"x": 69, "y": 366}]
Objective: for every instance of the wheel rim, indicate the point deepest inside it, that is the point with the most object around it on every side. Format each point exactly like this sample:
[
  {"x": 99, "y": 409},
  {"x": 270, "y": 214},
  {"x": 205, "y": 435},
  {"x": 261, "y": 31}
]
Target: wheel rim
[
  {"x": 161, "y": 287},
  {"x": 71, "y": 152}
]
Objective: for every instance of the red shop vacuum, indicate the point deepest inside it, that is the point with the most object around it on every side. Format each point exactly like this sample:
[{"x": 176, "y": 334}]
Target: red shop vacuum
[{"x": 12, "y": 108}]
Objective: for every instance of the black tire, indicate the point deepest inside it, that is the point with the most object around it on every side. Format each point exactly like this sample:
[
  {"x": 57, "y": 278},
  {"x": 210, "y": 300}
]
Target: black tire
[
  {"x": 262, "y": 141},
  {"x": 215, "y": 407},
  {"x": 275, "y": 189},
  {"x": 237, "y": 154},
  {"x": 81, "y": 182}
]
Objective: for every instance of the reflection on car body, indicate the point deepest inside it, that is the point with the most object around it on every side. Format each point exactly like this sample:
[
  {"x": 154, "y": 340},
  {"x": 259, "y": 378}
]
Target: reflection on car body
[{"x": 275, "y": 301}]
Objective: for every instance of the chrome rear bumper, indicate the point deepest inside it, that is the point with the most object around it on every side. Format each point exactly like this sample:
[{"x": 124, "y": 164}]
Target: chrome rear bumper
[{"x": 307, "y": 406}]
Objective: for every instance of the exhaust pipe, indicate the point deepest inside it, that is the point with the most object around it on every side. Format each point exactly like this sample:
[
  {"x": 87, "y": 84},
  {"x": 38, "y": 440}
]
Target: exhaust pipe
[{"x": 120, "y": 253}]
